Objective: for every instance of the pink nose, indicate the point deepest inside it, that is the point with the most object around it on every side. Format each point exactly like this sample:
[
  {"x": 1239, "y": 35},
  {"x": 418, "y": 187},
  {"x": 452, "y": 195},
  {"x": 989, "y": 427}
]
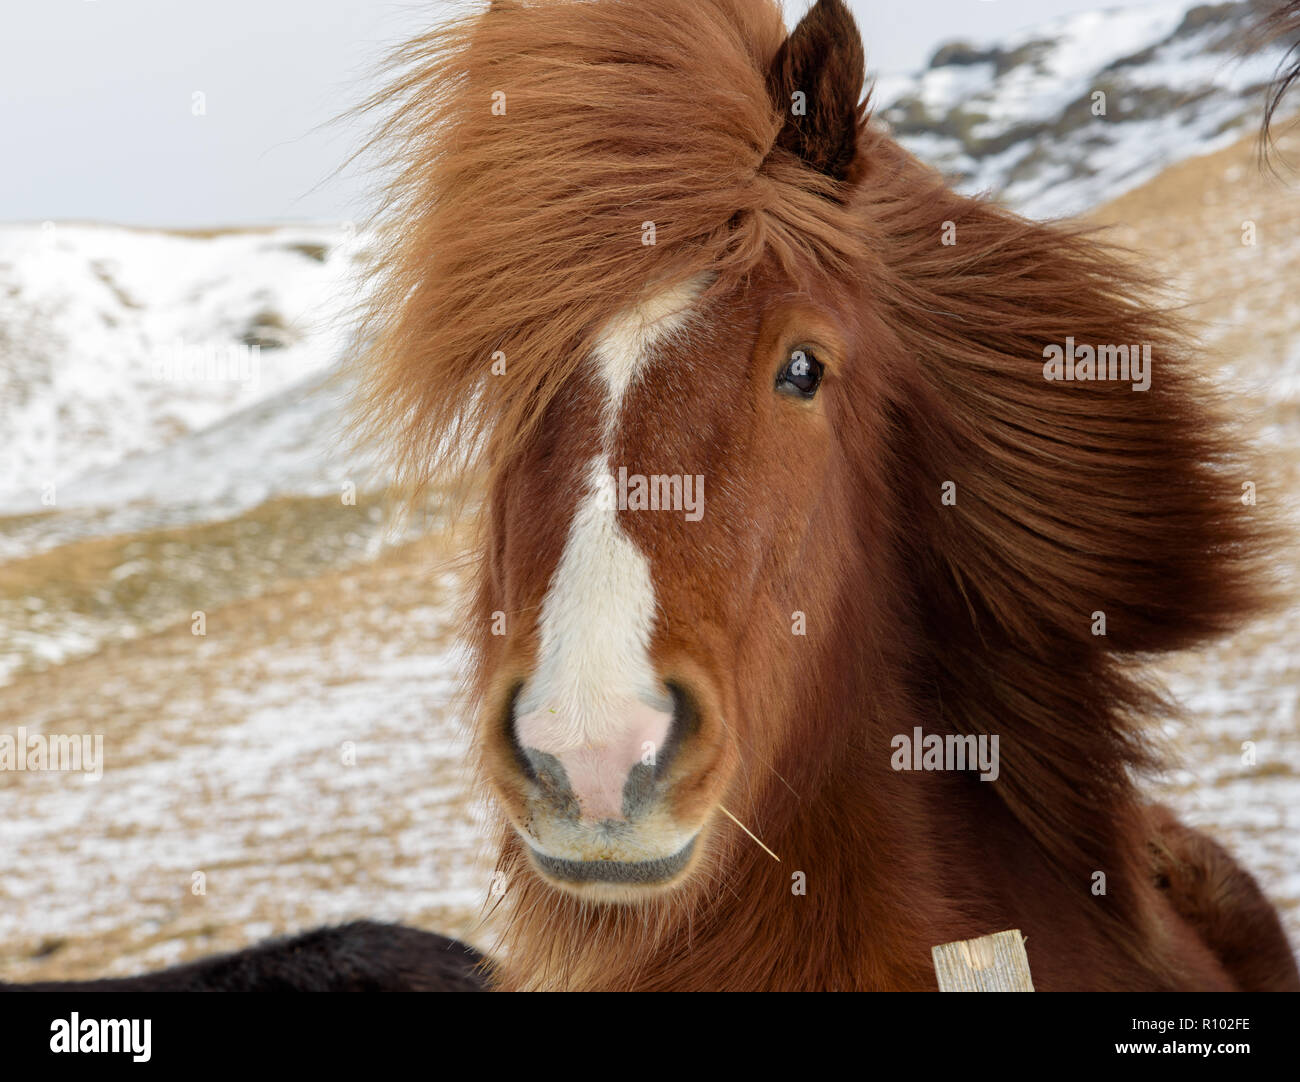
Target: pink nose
[{"x": 599, "y": 760}]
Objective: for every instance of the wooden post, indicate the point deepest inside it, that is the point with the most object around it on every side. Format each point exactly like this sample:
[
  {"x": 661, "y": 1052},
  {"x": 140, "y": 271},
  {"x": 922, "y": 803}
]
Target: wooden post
[{"x": 992, "y": 963}]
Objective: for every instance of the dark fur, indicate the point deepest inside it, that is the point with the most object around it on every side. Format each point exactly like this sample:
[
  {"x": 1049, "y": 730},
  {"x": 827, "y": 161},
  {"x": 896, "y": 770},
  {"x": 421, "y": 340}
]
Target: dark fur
[
  {"x": 825, "y": 136},
  {"x": 363, "y": 956},
  {"x": 1224, "y": 904}
]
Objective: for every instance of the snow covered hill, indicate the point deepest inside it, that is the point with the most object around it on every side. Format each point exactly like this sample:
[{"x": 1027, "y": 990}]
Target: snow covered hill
[
  {"x": 1077, "y": 111},
  {"x": 119, "y": 344}
]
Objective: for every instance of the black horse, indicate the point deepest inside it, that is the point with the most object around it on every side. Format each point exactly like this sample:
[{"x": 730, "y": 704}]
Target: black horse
[{"x": 363, "y": 956}]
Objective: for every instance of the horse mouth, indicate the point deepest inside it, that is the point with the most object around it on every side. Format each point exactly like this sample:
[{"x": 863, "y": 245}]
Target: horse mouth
[{"x": 618, "y": 873}]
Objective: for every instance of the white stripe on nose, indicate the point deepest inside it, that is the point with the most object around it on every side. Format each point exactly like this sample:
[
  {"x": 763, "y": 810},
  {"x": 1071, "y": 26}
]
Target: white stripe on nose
[{"x": 594, "y": 701}]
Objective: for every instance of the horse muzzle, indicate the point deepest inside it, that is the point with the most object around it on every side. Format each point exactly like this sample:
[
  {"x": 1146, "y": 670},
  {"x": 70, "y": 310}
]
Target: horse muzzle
[{"x": 597, "y": 815}]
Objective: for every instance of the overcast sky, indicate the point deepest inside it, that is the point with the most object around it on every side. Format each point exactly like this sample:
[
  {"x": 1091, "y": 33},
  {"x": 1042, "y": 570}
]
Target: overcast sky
[{"x": 97, "y": 98}]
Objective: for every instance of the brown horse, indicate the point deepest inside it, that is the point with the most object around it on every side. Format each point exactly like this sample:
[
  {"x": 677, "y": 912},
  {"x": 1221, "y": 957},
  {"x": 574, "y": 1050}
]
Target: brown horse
[{"x": 810, "y": 484}]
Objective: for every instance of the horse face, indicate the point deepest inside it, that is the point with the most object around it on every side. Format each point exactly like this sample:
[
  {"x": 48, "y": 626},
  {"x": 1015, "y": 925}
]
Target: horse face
[
  {"x": 668, "y": 544},
  {"x": 663, "y": 551}
]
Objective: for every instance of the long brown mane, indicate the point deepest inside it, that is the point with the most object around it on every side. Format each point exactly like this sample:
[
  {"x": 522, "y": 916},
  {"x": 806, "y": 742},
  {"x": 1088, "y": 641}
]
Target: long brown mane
[
  {"x": 520, "y": 234},
  {"x": 1070, "y": 504}
]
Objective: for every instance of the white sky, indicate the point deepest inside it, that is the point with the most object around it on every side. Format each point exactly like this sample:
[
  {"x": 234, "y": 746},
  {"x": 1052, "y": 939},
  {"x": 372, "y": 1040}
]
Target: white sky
[{"x": 95, "y": 97}]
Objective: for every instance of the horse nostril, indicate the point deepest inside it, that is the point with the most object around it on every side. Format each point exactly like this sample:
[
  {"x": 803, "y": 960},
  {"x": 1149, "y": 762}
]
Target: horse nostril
[
  {"x": 512, "y": 736},
  {"x": 607, "y": 758},
  {"x": 685, "y": 722}
]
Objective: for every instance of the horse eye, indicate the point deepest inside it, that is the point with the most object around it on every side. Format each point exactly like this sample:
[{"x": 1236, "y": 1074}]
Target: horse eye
[{"x": 801, "y": 375}]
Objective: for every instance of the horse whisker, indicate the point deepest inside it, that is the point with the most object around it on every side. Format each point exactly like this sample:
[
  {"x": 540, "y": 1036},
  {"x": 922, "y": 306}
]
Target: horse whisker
[{"x": 750, "y": 833}]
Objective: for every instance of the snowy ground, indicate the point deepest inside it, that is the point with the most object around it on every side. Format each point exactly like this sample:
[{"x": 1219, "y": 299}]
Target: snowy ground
[{"x": 304, "y": 756}]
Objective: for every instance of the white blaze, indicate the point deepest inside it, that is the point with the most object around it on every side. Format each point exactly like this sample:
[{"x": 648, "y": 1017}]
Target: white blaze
[{"x": 594, "y": 686}]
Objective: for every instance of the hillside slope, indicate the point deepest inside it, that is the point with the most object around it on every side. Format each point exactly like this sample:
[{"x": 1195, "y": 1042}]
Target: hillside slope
[
  {"x": 1022, "y": 118},
  {"x": 115, "y": 343}
]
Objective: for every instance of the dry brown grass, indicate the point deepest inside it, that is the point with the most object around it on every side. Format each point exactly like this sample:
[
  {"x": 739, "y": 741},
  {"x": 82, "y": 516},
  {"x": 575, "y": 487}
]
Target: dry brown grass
[{"x": 109, "y": 588}]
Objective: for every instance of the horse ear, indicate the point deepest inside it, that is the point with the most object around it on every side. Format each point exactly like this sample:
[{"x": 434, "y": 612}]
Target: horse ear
[{"x": 816, "y": 81}]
